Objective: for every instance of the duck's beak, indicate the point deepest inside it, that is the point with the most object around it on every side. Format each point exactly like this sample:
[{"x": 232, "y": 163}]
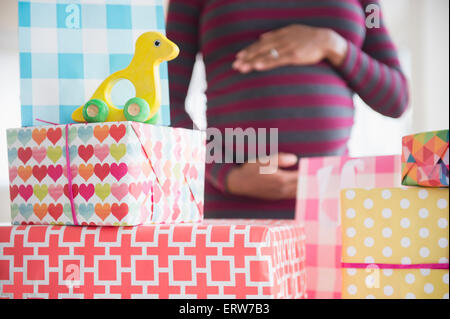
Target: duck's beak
[
  {"x": 174, "y": 53},
  {"x": 77, "y": 115}
]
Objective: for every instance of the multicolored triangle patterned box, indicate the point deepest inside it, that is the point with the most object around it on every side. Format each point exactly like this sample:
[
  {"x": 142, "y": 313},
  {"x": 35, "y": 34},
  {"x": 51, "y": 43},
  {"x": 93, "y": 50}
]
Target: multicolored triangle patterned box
[{"x": 425, "y": 159}]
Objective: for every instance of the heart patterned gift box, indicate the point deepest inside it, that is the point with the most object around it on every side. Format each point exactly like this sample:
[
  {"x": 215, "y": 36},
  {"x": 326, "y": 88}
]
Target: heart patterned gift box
[
  {"x": 117, "y": 173},
  {"x": 395, "y": 243}
]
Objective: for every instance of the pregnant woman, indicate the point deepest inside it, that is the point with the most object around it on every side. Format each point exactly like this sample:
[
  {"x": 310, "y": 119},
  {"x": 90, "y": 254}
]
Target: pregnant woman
[{"x": 293, "y": 65}]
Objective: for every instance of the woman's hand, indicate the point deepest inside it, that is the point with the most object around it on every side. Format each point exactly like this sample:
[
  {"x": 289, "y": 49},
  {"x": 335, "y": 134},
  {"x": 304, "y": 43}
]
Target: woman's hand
[
  {"x": 247, "y": 179},
  {"x": 292, "y": 45}
]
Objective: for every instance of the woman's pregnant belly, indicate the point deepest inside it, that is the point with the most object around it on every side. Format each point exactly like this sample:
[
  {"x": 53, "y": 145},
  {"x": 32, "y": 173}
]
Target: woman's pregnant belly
[{"x": 311, "y": 106}]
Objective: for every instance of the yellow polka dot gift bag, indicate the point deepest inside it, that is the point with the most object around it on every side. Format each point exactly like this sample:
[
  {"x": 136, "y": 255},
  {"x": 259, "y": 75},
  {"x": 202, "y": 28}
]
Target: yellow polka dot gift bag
[{"x": 395, "y": 243}]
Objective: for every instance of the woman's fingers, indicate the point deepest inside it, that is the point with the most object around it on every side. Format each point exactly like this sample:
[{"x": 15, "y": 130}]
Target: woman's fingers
[
  {"x": 289, "y": 187},
  {"x": 268, "y": 62},
  {"x": 260, "y": 47},
  {"x": 254, "y": 50},
  {"x": 249, "y": 50},
  {"x": 265, "y": 60},
  {"x": 248, "y": 179},
  {"x": 262, "y": 64},
  {"x": 287, "y": 159}
]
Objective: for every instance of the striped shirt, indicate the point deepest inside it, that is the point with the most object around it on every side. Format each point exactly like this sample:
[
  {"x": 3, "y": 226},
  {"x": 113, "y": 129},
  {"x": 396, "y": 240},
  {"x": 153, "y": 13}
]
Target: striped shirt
[{"x": 312, "y": 106}]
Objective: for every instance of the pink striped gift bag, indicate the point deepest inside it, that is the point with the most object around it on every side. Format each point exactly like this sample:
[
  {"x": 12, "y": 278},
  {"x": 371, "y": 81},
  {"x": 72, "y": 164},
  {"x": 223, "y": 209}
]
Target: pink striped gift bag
[{"x": 318, "y": 208}]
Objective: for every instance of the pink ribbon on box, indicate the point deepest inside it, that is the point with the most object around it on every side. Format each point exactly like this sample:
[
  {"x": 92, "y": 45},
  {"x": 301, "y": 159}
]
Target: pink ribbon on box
[
  {"x": 395, "y": 266},
  {"x": 197, "y": 204},
  {"x": 69, "y": 177},
  {"x": 68, "y": 170}
]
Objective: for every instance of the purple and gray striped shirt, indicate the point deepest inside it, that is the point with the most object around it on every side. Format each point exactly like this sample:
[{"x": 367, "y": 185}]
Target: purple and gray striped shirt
[{"x": 311, "y": 106}]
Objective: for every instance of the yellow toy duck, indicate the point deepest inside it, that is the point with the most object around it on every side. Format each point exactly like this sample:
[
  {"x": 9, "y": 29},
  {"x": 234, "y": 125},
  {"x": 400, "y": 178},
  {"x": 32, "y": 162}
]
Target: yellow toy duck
[{"x": 152, "y": 48}]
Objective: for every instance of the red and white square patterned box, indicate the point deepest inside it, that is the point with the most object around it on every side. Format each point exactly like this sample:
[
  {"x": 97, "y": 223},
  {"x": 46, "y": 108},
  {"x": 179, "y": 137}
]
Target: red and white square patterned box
[
  {"x": 215, "y": 259},
  {"x": 318, "y": 209}
]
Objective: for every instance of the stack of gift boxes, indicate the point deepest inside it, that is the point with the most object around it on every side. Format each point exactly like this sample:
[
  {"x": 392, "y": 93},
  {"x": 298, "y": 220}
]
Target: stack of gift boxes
[
  {"x": 395, "y": 240},
  {"x": 366, "y": 234},
  {"x": 369, "y": 217},
  {"x": 77, "y": 179},
  {"x": 128, "y": 174}
]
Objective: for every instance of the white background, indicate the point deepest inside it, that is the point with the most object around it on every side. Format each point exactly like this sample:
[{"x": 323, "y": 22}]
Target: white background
[{"x": 420, "y": 29}]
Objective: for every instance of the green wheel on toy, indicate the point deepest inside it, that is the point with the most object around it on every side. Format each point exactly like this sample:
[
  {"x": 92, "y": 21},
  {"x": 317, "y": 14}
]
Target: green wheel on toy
[
  {"x": 136, "y": 109},
  {"x": 95, "y": 110},
  {"x": 153, "y": 120}
]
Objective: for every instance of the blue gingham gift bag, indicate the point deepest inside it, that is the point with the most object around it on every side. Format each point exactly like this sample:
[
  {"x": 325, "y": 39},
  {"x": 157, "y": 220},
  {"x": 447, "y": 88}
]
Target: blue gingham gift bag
[{"x": 67, "y": 48}]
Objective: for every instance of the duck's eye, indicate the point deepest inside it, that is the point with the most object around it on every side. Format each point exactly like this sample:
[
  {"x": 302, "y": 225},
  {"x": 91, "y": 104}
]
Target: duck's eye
[{"x": 157, "y": 43}]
